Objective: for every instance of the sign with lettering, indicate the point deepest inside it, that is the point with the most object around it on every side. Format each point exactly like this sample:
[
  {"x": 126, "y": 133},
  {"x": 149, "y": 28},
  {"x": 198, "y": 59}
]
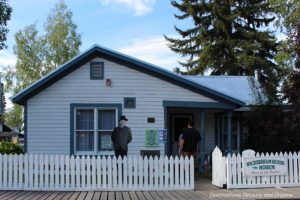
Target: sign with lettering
[
  {"x": 162, "y": 135},
  {"x": 151, "y": 137},
  {"x": 268, "y": 166}
]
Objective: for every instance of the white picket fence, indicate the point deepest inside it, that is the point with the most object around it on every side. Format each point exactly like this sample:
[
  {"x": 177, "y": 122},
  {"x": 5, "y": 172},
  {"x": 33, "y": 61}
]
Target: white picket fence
[
  {"x": 218, "y": 168},
  {"x": 65, "y": 173},
  {"x": 235, "y": 178}
]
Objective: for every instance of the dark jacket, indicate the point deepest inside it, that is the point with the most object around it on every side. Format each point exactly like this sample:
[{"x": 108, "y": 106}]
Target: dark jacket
[{"x": 121, "y": 138}]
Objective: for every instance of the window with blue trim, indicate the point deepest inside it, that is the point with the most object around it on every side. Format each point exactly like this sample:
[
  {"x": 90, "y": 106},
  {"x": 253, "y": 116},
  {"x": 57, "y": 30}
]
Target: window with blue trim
[
  {"x": 129, "y": 102},
  {"x": 93, "y": 129},
  {"x": 85, "y": 130},
  {"x": 96, "y": 70}
]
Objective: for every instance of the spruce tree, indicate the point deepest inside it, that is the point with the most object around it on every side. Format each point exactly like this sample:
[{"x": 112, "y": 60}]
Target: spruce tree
[{"x": 228, "y": 37}]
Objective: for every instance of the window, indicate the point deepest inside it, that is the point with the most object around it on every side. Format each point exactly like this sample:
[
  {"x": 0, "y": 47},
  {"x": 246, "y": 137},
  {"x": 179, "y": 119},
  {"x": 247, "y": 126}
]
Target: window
[
  {"x": 129, "y": 102},
  {"x": 85, "y": 130},
  {"x": 234, "y": 133},
  {"x": 93, "y": 129},
  {"x": 106, "y": 124},
  {"x": 97, "y": 71}
]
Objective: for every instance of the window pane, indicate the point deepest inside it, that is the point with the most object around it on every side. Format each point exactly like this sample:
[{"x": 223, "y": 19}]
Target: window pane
[
  {"x": 105, "y": 142},
  {"x": 106, "y": 119},
  {"x": 85, "y": 119},
  {"x": 85, "y": 141}
]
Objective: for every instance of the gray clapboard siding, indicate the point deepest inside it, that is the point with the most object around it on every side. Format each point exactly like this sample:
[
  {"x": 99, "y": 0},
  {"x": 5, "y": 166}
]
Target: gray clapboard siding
[{"x": 48, "y": 113}]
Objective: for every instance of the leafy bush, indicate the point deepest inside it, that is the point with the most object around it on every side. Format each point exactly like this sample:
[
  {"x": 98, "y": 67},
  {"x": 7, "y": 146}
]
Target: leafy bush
[{"x": 10, "y": 148}]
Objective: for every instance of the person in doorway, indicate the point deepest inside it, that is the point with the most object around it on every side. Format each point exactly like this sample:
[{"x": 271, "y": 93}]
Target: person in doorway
[
  {"x": 189, "y": 144},
  {"x": 121, "y": 137}
]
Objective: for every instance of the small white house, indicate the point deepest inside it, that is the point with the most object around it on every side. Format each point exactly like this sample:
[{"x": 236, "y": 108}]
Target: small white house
[{"x": 74, "y": 109}]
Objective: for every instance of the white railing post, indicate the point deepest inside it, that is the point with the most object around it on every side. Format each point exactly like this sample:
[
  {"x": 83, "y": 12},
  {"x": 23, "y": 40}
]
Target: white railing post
[
  {"x": 20, "y": 182},
  {"x": 156, "y": 172},
  {"x": 192, "y": 173},
  {"x": 15, "y": 179}
]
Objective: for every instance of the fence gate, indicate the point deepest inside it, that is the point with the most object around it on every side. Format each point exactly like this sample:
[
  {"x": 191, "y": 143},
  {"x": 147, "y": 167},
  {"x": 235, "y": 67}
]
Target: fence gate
[{"x": 236, "y": 177}]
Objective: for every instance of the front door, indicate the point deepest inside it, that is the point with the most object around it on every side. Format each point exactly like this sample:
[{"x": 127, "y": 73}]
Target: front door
[{"x": 178, "y": 124}]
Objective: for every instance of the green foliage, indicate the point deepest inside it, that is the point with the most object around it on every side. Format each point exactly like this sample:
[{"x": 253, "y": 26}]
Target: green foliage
[
  {"x": 37, "y": 55},
  {"x": 61, "y": 38},
  {"x": 269, "y": 130},
  {"x": 14, "y": 117},
  {"x": 5, "y": 13},
  {"x": 228, "y": 37},
  {"x": 10, "y": 148}
]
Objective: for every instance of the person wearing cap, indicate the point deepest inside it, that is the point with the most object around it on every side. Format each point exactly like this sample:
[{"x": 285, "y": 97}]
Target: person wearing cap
[{"x": 121, "y": 137}]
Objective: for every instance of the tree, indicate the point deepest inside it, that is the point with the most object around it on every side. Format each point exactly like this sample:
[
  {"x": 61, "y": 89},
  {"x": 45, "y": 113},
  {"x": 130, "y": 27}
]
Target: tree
[
  {"x": 37, "y": 55},
  {"x": 228, "y": 37},
  {"x": 276, "y": 128},
  {"x": 289, "y": 19},
  {"x": 63, "y": 41},
  {"x": 5, "y": 13}
]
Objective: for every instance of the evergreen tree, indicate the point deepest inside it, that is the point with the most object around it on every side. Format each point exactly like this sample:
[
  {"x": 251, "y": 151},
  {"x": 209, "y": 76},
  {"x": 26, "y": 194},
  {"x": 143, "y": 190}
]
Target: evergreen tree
[{"x": 228, "y": 37}]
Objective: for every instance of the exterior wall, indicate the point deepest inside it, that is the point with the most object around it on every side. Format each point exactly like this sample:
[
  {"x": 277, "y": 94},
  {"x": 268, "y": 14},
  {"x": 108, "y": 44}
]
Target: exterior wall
[{"x": 48, "y": 113}]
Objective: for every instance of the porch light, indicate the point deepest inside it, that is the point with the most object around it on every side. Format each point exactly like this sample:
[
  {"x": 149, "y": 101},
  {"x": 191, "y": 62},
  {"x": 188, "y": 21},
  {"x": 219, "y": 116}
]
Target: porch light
[{"x": 108, "y": 82}]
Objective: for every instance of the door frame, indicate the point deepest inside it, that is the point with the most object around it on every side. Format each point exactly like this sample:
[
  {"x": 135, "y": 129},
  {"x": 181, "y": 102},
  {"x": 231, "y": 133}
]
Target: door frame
[{"x": 171, "y": 127}]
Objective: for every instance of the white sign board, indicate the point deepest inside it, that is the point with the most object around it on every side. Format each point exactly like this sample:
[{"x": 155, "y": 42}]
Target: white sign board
[{"x": 265, "y": 166}]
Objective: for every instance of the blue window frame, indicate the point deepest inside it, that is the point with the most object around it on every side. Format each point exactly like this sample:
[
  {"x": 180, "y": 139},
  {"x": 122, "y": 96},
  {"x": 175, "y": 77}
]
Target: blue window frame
[
  {"x": 129, "y": 102},
  {"x": 91, "y": 128},
  {"x": 96, "y": 70}
]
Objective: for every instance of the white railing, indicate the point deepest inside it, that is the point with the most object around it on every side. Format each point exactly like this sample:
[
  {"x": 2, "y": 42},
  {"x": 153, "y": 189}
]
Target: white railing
[
  {"x": 235, "y": 177},
  {"x": 65, "y": 173},
  {"x": 218, "y": 168}
]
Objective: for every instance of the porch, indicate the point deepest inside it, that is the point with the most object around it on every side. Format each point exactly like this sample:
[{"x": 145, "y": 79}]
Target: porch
[
  {"x": 203, "y": 190},
  {"x": 219, "y": 124}
]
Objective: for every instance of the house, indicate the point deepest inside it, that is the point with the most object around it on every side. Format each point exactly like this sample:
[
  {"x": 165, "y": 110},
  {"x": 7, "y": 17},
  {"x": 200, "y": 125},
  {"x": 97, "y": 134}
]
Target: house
[{"x": 74, "y": 109}]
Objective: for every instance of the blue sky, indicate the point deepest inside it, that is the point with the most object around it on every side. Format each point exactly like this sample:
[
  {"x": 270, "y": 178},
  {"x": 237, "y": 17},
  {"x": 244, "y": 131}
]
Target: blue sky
[{"x": 134, "y": 27}]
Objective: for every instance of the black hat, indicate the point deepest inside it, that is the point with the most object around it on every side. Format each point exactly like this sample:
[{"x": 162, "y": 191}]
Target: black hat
[{"x": 122, "y": 117}]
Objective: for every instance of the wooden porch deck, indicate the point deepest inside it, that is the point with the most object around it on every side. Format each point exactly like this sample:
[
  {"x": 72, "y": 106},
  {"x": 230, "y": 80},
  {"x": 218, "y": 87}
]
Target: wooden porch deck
[{"x": 203, "y": 190}]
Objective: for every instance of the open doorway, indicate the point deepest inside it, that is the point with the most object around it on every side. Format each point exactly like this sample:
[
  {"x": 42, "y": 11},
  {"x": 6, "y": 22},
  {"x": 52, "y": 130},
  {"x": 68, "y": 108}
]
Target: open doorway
[{"x": 178, "y": 124}]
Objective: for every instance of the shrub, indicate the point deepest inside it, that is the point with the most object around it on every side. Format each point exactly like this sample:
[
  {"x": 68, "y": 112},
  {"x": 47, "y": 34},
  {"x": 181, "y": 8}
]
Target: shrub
[{"x": 10, "y": 148}]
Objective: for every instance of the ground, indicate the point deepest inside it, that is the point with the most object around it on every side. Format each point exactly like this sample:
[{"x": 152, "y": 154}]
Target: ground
[{"x": 203, "y": 190}]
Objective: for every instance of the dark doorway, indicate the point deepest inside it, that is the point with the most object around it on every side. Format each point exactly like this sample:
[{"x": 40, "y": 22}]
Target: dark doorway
[{"x": 178, "y": 124}]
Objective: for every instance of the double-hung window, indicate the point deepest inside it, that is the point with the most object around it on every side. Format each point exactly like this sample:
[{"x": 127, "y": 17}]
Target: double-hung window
[
  {"x": 85, "y": 130},
  {"x": 93, "y": 128}
]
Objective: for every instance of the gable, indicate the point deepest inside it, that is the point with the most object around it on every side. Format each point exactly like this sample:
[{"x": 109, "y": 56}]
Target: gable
[{"x": 115, "y": 57}]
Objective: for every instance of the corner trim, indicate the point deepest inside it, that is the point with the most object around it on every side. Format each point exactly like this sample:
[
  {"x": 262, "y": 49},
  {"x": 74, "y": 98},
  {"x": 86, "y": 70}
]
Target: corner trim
[
  {"x": 88, "y": 105},
  {"x": 25, "y": 128}
]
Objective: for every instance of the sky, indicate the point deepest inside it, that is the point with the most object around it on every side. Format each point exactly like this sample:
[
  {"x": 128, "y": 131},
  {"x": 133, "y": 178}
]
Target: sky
[{"x": 133, "y": 27}]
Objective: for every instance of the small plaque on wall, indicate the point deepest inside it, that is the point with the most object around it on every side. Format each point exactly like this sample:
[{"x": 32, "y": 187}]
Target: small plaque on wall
[
  {"x": 151, "y": 137},
  {"x": 151, "y": 120}
]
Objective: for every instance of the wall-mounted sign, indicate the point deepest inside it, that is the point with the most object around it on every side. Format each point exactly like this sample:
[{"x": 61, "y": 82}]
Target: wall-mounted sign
[
  {"x": 268, "y": 166},
  {"x": 151, "y": 137},
  {"x": 162, "y": 135}
]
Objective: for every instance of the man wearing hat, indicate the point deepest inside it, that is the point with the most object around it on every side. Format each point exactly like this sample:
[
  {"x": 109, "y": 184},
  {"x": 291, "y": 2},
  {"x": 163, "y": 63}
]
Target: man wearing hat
[{"x": 121, "y": 136}]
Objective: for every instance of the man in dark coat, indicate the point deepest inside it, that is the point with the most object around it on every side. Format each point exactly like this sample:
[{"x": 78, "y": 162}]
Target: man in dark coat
[{"x": 121, "y": 137}]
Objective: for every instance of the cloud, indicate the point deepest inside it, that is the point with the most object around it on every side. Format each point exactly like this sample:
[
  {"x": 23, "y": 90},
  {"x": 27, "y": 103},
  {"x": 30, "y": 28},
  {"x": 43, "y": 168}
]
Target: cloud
[
  {"x": 153, "y": 50},
  {"x": 7, "y": 58},
  {"x": 140, "y": 7}
]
